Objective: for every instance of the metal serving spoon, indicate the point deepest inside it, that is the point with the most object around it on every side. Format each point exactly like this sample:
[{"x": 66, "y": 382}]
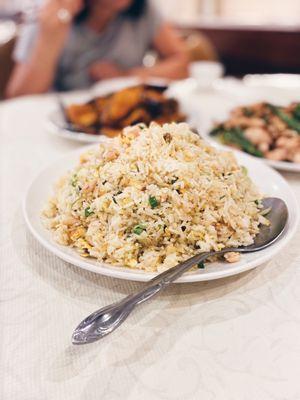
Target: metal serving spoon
[{"x": 107, "y": 319}]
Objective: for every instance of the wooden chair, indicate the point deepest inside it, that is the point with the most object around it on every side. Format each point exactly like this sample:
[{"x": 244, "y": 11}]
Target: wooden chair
[{"x": 6, "y": 63}]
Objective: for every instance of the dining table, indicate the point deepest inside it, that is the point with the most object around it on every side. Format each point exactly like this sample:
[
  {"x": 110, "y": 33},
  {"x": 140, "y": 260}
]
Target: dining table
[{"x": 235, "y": 338}]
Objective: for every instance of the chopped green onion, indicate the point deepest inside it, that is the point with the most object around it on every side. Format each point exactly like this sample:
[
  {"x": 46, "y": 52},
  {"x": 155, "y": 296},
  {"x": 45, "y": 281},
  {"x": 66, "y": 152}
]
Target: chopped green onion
[
  {"x": 153, "y": 201},
  {"x": 88, "y": 212},
  {"x": 74, "y": 180},
  {"x": 201, "y": 265},
  {"x": 138, "y": 229},
  {"x": 244, "y": 169}
]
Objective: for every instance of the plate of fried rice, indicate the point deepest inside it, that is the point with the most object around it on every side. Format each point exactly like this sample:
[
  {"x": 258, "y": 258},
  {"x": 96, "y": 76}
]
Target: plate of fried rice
[{"x": 136, "y": 205}]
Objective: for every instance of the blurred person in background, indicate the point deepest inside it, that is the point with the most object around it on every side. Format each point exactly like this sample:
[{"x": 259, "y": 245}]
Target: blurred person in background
[{"x": 75, "y": 43}]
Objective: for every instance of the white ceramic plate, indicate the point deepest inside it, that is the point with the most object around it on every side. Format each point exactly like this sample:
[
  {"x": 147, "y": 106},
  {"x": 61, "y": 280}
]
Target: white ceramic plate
[
  {"x": 55, "y": 123},
  {"x": 268, "y": 180}
]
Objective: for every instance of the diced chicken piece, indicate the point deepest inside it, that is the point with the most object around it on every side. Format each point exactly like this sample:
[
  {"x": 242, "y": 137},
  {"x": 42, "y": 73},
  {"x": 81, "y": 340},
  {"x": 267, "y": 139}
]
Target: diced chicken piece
[
  {"x": 246, "y": 122},
  {"x": 296, "y": 157},
  {"x": 289, "y": 133},
  {"x": 287, "y": 143},
  {"x": 163, "y": 197},
  {"x": 51, "y": 210},
  {"x": 89, "y": 187},
  {"x": 274, "y": 132},
  {"x": 232, "y": 257},
  {"x": 257, "y": 135},
  {"x": 263, "y": 147},
  {"x": 135, "y": 131},
  {"x": 278, "y": 123},
  {"x": 112, "y": 155},
  {"x": 278, "y": 154},
  {"x": 77, "y": 233},
  {"x": 69, "y": 220}
]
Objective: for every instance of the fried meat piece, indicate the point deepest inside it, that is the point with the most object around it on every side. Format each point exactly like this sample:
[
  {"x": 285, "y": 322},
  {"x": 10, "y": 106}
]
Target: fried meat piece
[
  {"x": 136, "y": 116},
  {"x": 120, "y": 104},
  {"x": 84, "y": 115}
]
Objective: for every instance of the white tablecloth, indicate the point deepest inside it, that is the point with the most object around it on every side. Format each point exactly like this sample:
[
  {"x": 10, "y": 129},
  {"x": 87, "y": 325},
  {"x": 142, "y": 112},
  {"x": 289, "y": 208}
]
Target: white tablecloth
[{"x": 236, "y": 338}]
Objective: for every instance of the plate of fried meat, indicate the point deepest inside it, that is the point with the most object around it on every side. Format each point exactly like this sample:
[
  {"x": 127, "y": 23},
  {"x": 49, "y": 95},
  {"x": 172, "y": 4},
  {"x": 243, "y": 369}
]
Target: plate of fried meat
[{"x": 107, "y": 114}]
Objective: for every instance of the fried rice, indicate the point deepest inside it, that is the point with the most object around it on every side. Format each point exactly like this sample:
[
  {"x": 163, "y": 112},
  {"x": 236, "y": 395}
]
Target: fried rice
[{"x": 153, "y": 197}]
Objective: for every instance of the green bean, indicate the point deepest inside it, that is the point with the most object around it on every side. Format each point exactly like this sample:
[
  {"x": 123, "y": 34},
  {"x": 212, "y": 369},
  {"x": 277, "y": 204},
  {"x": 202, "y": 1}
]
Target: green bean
[
  {"x": 217, "y": 130},
  {"x": 296, "y": 112},
  {"x": 236, "y": 136},
  {"x": 290, "y": 121}
]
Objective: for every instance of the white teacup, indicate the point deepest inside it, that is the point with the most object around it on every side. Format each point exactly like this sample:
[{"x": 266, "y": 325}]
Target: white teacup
[{"x": 206, "y": 72}]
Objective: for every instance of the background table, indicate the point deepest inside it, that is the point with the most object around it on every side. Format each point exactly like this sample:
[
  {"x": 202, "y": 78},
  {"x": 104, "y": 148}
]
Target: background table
[{"x": 237, "y": 338}]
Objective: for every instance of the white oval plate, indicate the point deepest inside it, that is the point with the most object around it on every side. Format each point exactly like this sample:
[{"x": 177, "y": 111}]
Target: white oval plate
[
  {"x": 55, "y": 122},
  {"x": 268, "y": 180}
]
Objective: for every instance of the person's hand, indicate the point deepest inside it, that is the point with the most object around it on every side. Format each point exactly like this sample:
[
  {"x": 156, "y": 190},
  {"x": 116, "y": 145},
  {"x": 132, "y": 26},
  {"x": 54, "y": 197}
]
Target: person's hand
[
  {"x": 56, "y": 16},
  {"x": 105, "y": 70}
]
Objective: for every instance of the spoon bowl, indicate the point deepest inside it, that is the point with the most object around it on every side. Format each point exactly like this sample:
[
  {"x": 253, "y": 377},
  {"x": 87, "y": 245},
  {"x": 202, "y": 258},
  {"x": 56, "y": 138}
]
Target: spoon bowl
[{"x": 278, "y": 216}]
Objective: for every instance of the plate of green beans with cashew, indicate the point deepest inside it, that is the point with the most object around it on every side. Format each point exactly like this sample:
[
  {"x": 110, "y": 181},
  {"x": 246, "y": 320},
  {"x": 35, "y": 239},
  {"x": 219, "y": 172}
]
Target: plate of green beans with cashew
[{"x": 263, "y": 130}]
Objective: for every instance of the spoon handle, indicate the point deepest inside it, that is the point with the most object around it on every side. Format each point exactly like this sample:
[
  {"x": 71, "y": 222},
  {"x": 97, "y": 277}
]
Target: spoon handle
[
  {"x": 163, "y": 280},
  {"x": 107, "y": 319}
]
